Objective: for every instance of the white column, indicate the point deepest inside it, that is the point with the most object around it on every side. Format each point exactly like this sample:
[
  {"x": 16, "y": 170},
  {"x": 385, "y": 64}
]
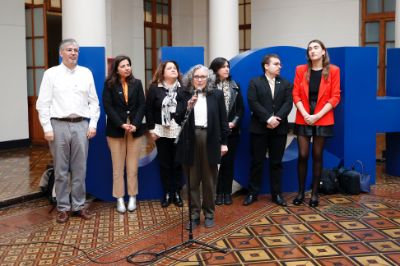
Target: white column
[
  {"x": 223, "y": 28},
  {"x": 397, "y": 25},
  {"x": 84, "y": 21}
]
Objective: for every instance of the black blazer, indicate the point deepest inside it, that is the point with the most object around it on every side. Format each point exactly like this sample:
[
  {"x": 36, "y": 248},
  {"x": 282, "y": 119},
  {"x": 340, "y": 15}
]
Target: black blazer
[
  {"x": 118, "y": 111},
  {"x": 236, "y": 108},
  {"x": 263, "y": 106},
  {"x": 217, "y": 127}
]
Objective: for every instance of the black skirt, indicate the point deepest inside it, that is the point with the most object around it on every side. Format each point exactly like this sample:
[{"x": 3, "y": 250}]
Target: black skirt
[{"x": 310, "y": 131}]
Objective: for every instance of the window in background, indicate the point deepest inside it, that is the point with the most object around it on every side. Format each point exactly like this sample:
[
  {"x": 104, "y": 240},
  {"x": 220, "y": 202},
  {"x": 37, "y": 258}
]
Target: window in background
[
  {"x": 157, "y": 32},
  {"x": 378, "y": 31},
  {"x": 244, "y": 25}
]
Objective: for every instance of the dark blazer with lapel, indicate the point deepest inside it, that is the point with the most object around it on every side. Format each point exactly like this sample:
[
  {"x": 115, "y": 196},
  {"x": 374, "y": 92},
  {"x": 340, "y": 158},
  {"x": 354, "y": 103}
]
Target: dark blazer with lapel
[
  {"x": 217, "y": 127},
  {"x": 118, "y": 110},
  {"x": 263, "y": 106},
  {"x": 154, "y": 98},
  {"x": 236, "y": 108}
]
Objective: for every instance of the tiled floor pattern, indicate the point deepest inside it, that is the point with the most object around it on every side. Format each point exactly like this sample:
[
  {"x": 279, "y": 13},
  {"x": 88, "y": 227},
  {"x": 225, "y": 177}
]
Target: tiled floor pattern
[
  {"x": 264, "y": 235},
  {"x": 108, "y": 230},
  {"x": 20, "y": 172},
  {"x": 306, "y": 236},
  {"x": 344, "y": 230}
]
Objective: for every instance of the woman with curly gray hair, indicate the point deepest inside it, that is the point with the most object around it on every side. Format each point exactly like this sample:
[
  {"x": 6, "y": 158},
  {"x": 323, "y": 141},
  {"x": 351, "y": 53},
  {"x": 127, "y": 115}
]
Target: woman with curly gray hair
[{"x": 203, "y": 139}]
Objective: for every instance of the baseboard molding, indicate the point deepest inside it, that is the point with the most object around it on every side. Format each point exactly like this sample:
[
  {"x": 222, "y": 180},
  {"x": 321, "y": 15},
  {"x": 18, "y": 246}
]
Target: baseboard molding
[{"x": 12, "y": 144}]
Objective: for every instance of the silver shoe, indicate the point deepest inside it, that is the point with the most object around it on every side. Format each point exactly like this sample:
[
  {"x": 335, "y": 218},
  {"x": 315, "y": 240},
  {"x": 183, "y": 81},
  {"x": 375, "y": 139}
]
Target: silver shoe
[
  {"x": 121, "y": 205},
  {"x": 132, "y": 203}
]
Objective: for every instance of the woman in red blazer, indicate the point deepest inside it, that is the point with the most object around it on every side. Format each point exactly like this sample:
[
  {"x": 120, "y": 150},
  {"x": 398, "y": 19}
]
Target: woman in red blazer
[{"x": 316, "y": 93}]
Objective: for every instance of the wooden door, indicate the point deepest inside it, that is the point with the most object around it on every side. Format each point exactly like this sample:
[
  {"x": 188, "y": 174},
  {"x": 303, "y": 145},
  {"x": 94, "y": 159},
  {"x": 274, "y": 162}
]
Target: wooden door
[{"x": 38, "y": 13}]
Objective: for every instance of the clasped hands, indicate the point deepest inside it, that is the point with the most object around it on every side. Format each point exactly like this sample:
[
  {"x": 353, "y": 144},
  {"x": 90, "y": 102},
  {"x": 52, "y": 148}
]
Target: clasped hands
[
  {"x": 311, "y": 119},
  {"x": 274, "y": 122},
  {"x": 129, "y": 128}
]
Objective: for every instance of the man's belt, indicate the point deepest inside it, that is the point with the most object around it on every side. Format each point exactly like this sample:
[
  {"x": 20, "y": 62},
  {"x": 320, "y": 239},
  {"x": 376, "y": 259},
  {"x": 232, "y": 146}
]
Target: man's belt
[{"x": 69, "y": 119}]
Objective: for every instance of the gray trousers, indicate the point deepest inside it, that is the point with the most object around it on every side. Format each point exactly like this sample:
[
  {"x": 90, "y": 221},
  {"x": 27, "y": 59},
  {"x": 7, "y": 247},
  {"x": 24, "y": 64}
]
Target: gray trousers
[
  {"x": 201, "y": 172},
  {"x": 70, "y": 150}
]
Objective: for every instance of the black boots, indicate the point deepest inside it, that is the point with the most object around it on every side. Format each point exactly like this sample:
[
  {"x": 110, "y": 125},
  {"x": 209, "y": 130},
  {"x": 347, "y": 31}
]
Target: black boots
[
  {"x": 223, "y": 199},
  {"x": 219, "y": 199},
  {"x": 172, "y": 197},
  {"x": 177, "y": 199},
  {"x": 166, "y": 200}
]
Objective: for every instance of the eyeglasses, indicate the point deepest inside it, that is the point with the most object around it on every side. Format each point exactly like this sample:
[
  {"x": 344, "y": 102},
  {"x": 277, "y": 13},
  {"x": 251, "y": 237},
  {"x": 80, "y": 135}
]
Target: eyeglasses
[
  {"x": 200, "y": 77},
  {"x": 69, "y": 50}
]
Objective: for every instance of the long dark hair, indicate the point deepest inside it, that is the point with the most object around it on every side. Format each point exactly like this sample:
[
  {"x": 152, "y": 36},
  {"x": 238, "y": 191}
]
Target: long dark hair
[
  {"x": 159, "y": 74},
  {"x": 113, "y": 77},
  {"x": 216, "y": 65},
  {"x": 325, "y": 60}
]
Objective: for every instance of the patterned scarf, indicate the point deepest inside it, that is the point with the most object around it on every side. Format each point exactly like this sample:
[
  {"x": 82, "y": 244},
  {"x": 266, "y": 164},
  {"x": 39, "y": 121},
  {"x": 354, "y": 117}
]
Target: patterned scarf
[
  {"x": 168, "y": 106},
  {"x": 224, "y": 86}
]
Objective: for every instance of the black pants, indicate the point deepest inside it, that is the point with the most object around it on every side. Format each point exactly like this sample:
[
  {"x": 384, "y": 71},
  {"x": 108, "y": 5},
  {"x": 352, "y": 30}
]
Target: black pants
[
  {"x": 170, "y": 171},
  {"x": 227, "y": 167},
  {"x": 260, "y": 144}
]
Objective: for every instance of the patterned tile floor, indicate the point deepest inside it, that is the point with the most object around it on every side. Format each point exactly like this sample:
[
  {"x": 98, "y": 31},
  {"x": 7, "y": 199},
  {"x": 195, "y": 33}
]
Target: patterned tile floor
[{"x": 344, "y": 230}]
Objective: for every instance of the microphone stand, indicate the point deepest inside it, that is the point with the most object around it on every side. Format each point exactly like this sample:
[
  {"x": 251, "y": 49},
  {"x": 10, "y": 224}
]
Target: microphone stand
[{"x": 191, "y": 240}]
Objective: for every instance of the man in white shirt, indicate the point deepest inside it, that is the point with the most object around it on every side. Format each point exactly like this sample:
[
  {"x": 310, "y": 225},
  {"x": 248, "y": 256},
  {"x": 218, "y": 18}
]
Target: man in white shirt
[{"x": 68, "y": 112}]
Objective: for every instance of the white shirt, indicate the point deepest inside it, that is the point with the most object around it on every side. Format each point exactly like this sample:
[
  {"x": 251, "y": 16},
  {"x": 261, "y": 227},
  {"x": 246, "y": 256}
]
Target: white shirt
[
  {"x": 67, "y": 93},
  {"x": 200, "y": 110},
  {"x": 271, "y": 85}
]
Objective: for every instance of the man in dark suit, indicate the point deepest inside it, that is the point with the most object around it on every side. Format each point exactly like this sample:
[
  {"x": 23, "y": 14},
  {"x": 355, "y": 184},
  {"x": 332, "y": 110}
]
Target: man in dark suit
[{"x": 270, "y": 102}]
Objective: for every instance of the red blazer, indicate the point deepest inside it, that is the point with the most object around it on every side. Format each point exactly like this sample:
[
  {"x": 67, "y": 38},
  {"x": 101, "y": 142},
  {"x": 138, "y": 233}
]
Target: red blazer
[{"x": 329, "y": 92}]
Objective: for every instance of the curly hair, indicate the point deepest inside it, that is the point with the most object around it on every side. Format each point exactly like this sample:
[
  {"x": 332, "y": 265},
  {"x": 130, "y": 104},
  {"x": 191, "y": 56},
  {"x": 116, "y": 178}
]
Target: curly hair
[{"x": 187, "y": 80}]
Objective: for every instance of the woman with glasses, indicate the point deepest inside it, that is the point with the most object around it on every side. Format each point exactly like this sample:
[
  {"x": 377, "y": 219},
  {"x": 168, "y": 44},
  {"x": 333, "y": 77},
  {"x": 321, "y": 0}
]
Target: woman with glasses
[
  {"x": 316, "y": 93},
  {"x": 234, "y": 109},
  {"x": 203, "y": 139},
  {"x": 160, "y": 112},
  {"x": 124, "y": 104}
]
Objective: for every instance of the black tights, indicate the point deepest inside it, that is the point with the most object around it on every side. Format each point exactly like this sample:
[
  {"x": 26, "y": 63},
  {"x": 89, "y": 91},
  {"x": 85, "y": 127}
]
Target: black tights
[{"x": 317, "y": 150}]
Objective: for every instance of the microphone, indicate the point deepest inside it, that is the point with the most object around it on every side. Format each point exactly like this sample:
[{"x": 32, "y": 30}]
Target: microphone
[{"x": 197, "y": 91}]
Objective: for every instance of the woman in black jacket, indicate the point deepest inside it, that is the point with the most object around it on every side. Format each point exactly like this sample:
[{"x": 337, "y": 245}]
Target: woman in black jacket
[
  {"x": 160, "y": 112},
  {"x": 124, "y": 104},
  {"x": 234, "y": 109},
  {"x": 203, "y": 139}
]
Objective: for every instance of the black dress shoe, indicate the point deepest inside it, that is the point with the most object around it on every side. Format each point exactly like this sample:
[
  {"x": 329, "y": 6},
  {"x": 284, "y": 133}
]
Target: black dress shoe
[
  {"x": 219, "y": 200},
  {"x": 227, "y": 199},
  {"x": 166, "y": 201},
  {"x": 278, "y": 199},
  {"x": 177, "y": 199},
  {"x": 298, "y": 200},
  {"x": 250, "y": 198},
  {"x": 314, "y": 203}
]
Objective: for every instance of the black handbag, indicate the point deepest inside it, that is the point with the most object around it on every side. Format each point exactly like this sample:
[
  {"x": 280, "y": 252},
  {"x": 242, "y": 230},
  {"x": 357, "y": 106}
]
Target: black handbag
[
  {"x": 329, "y": 183},
  {"x": 349, "y": 181}
]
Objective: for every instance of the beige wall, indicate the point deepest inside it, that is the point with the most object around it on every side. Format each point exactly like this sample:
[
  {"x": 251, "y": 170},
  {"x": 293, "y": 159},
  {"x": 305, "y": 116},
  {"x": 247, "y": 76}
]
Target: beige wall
[
  {"x": 190, "y": 24},
  {"x": 294, "y": 23},
  {"x": 125, "y": 32},
  {"x": 13, "y": 88}
]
